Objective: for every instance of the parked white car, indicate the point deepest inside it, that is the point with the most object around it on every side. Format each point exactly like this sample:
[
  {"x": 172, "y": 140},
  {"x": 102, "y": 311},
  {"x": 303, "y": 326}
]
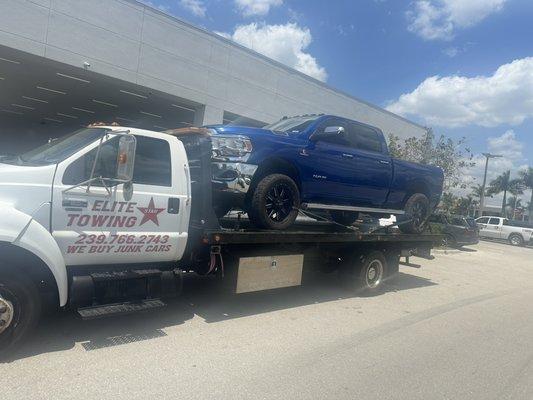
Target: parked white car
[{"x": 504, "y": 229}]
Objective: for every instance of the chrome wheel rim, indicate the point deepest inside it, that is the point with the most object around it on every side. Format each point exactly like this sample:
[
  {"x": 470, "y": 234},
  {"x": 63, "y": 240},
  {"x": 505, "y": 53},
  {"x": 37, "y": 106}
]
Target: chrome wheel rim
[
  {"x": 374, "y": 274},
  {"x": 515, "y": 240},
  {"x": 7, "y": 312}
]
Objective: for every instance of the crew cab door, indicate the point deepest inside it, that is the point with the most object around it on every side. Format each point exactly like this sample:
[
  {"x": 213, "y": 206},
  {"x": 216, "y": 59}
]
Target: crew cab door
[
  {"x": 147, "y": 224},
  {"x": 372, "y": 175},
  {"x": 328, "y": 166},
  {"x": 490, "y": 227}
]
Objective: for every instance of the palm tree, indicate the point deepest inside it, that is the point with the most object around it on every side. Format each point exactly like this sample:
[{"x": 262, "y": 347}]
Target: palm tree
[
  {"x": 476, "y": 195},
  {"x": 527, "y": 180},
  {"x": 477, "y": 190},
  {"x": 504, "y": 183},
  {"x": 514, "y": 203}
]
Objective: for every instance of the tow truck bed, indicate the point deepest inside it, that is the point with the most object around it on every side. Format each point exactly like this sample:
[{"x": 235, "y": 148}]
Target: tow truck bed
[{"x": 311, "y": 232}]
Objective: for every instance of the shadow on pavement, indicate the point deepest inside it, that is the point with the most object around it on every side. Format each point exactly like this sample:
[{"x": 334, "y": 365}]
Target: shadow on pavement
[{"x": 202, "y": 297}]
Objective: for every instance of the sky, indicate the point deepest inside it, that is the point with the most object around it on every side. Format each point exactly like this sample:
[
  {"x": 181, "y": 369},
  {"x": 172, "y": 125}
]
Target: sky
[{"x": 462, "y": 67}]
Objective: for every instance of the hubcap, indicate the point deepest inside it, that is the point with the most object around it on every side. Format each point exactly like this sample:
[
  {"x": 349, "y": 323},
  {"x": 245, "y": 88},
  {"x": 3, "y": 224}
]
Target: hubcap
[
  {"x": 515, "y": 240},
  {"x": 374, "y": 274},
  {"x": 279, "y": 202},
  {"x": 6, "y": 314}
]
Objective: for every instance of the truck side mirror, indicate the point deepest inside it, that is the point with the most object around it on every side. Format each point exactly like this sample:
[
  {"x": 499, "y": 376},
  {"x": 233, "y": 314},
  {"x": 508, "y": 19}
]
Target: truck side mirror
[
  {"x": 339, "y": 130},
  {"x": 328, "y": 132},
  {"x": 126, "y": 158}
]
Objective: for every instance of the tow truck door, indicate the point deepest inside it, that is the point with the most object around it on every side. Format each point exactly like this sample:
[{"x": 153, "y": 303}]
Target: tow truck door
[{"x": 109, "y": 227}]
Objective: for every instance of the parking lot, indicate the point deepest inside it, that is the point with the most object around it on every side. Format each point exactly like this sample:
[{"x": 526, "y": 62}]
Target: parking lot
[{"x": 461, "y": 323}]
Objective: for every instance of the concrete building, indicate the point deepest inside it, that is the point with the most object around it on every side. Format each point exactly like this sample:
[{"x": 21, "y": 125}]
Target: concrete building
[{"x": 65, "y": 63}]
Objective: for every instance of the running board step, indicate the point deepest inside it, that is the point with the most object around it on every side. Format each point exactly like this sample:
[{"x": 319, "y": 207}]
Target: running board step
[
  {"x": 318, "y": 206},
  {"x": 107, "y": 310}
]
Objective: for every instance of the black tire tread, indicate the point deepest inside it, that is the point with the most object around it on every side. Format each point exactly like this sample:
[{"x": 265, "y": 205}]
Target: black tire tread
[
  {"x": 30, "y": 298},
  {"x": 255, "y": 212}
]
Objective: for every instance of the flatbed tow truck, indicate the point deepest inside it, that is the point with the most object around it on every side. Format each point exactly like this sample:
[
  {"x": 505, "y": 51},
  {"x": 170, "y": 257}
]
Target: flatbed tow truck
[{"x": 103, "y": 237}]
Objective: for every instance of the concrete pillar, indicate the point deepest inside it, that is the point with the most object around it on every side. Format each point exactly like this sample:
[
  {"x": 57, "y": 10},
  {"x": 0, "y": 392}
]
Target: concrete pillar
[{"x": 208, "y": 115}]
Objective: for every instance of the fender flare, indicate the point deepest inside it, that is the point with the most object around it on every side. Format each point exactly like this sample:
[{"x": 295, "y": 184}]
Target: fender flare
[{"x": 20, "y": 229}]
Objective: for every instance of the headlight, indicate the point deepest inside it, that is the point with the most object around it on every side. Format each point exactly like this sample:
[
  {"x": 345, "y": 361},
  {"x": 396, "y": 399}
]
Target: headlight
[{"x": 231, "y": 146}]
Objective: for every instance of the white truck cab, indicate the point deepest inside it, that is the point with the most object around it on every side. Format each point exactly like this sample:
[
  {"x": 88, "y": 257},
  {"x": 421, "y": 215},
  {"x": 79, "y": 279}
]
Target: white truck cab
[{"x": 102, "y": 195}]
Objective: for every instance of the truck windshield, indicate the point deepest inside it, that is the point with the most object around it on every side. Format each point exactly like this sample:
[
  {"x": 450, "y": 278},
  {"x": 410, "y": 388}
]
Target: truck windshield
[
  {"x": 59, "y": 149},
  {"x": 292, "y": 125}
]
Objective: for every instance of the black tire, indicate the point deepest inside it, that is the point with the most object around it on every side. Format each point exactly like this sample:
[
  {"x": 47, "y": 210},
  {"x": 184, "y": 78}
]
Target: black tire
[
  {"x": 416, "y": 212},
  {"x": 344, "y": 217},
  {"x": 24, "y": 297},
  {"x": 516, "y": 240},
  {"x": 449, "y": 241},
  {"x": 366, "y": 274},
  {"x": 274, "y": 203}
]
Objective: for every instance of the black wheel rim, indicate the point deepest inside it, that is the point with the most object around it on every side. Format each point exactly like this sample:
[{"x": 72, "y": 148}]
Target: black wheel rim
[
  {"x": 279, "y": 202},
  {"x": 418, "y": 214}
]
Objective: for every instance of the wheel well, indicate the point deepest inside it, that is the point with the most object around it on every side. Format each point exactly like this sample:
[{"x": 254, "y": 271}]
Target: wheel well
[
  {"x": 274, "y": 166},
  {"x": 34, "y": 268},
  {"x": 416, "y": 187},
  {"x": 516, "y": 234}
]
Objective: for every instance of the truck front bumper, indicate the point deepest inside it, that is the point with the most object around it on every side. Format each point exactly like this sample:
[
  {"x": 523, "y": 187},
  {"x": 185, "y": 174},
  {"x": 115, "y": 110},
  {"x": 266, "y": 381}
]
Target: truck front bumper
[{"x": 233, "y": 178}]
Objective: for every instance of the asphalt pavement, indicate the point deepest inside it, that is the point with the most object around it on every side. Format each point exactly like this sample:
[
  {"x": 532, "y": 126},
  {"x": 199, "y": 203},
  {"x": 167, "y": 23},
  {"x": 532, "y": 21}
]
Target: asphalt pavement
[{"x": 456, "y": 327}]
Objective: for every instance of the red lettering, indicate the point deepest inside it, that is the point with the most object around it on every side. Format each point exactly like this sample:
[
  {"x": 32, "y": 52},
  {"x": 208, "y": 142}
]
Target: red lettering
[
  {"x": 71, "y": 218},
  {"x": 97, "y": 205},
  {"x": 84, "y": 220},
  {"x": 75, "y": 249},
  {"x": 118, "y": 221},
  {"x": 99, "y": 220},
  {"x": 131, "y": 221}
]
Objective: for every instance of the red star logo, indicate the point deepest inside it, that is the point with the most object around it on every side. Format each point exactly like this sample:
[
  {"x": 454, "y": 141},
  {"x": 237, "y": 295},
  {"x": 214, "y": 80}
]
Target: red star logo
[{"x": 150, "y": 213}]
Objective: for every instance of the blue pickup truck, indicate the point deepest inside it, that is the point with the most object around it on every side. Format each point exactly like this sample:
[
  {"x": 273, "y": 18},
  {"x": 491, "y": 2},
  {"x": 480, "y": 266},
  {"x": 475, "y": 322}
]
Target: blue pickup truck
[{"x": 318, "y": 162}]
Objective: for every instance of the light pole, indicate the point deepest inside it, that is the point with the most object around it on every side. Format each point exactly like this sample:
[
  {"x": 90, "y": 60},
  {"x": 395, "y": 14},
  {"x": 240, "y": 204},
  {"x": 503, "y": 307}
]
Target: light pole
[{"x": 482, "y": 197}]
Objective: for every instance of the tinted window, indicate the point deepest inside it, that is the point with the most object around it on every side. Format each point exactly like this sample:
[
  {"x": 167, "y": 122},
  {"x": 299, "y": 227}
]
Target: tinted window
[
  {"x": 366, "y": 138},
  {"x": 482, "y": 220},
  {"x": 457, "y": 221},
  {"x": 494, "y": 221},
  {"x": 80, "y": 170},
  {"x": 61, "y": 149},
  {"x": 152, "y": 162},
  {"x": 343, "y": 139}
]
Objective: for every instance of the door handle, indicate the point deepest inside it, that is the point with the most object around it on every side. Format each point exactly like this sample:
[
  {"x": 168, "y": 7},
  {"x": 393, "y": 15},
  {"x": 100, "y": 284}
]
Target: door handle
[
  {"x": 383, "y": 162},
  {"x": 346, "y": 155},
  {"x": 173, "y": 205},
  {"x": 74, "y": 203}
]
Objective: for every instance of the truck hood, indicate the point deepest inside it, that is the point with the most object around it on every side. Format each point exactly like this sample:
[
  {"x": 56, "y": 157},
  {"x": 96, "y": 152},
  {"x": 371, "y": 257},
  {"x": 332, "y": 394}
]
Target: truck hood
[
  {"x": 244, "y": 130},
  {"x": 26, "y": 188}
]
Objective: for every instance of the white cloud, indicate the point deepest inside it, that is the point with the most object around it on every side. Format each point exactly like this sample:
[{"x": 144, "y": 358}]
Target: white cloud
[
  {"x": 439, "y": 19},
  {"x": 506, "y": 97},
  {"x": 284, "y": 43},
  {"x": 196, "y": 7},
  {"x": 256, "y": 7},
  {"x": 506, "y": 145}
]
